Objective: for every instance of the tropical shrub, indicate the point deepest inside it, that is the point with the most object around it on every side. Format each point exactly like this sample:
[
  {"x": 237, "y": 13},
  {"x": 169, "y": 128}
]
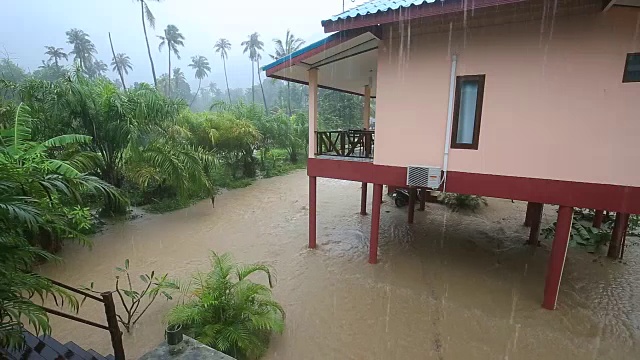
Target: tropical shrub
[
  {"x": 457, "y": 202},
  {"x": 40, "y": 197},
  {"x": 227, "y": 311}
]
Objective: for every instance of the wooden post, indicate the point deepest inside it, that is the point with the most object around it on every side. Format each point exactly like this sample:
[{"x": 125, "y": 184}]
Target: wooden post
[
  {"x": 375, "y": 223},
  {"x": 423, "y": 199},
  {"x": 363, "y": 199},
  {"x": 528, "y": 216},
  {"x": 112, "y": 323},
  {"x": 313, "y": 111},
  {"x": 617, "y": 235},
  {"x": 412, "y": 205},
  {"x": 597, "y": 219},
  {"x": 535, "y": 220},
  {"x": 366, "y": 109},
  {"x": 557, "y": 258},
  {"x": 312, "y": 212}
]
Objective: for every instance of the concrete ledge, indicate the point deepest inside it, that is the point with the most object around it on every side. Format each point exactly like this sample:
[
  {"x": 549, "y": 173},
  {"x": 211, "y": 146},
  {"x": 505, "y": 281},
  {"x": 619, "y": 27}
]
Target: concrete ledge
[{"x": 189, "y": 349}]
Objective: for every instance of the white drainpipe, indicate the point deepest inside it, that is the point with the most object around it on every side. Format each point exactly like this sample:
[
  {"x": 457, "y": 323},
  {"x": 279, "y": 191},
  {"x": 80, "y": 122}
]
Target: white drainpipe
[{"x": 452, "y": 90}]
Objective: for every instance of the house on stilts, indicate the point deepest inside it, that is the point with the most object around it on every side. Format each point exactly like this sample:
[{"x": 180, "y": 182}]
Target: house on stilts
[{"x": 532, "y": 100}]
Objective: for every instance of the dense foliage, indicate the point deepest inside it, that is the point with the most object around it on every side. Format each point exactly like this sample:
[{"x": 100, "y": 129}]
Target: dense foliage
[
  {"x": 229, "y": 312},
  {"x": 41, "y": 189}
]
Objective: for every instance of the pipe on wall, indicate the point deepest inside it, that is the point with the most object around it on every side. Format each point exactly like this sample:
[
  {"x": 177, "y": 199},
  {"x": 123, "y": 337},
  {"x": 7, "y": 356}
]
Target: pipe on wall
[{"x": 447, "y": 142}]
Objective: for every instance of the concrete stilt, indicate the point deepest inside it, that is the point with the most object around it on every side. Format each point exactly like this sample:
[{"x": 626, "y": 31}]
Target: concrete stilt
[
  {"x": 412, "y": 205},
  {"x": 375, "y": 223},
  {"x": 363, "y": 199},
  {"x": 312, "y": 212},
  {"x": 557, "y": 258}
]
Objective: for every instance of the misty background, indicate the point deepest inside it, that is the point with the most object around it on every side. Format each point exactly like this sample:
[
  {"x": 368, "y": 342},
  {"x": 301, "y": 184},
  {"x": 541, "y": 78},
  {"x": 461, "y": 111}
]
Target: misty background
[{"x": 27, "y": 26}]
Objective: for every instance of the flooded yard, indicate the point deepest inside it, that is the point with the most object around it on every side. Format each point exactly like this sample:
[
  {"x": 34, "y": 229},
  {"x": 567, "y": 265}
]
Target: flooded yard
[{"x": 450, "y": 286}]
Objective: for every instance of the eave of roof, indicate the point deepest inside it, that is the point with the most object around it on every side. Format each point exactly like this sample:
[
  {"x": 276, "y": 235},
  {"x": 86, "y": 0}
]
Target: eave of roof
[{"x": 423, "y": 10}]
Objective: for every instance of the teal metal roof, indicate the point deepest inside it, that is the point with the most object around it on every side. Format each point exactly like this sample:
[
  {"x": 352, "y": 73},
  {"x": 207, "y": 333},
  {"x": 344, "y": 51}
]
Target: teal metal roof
[{"x": 374, "y": 6}]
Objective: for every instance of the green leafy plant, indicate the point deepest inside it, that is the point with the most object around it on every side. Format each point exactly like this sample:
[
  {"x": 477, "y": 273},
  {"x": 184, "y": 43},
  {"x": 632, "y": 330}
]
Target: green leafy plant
[
  {"x": 582, "y": 234},
  {"x": 36, "y": 191},
  {"x": 137, "y": 302},
  {"x": 457, "y": 202},
  {"x": 229, "y": 312}
]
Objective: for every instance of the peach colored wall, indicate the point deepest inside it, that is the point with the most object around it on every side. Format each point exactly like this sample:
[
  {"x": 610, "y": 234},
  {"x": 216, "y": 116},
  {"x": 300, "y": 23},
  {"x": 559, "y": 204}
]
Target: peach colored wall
[{"x": 554, "y": 104}]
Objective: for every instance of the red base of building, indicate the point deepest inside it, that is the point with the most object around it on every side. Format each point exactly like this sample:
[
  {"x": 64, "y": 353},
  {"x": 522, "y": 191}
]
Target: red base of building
[{"x": 622, "y": 199}]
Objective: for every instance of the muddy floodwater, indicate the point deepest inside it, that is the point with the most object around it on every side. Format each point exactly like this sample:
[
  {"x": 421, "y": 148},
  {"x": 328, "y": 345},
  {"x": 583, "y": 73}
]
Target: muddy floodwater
[{"x": 450, "y": 286}]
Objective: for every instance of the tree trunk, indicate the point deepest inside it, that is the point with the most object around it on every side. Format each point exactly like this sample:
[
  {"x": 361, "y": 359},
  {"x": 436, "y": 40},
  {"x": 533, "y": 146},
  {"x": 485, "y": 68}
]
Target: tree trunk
[
  {"x": 116, "y": 62},
  {"x": 253, "y": 84},
  {"x": 169, "y": 82},
  {"x": 144, "y": 27},
  {"x": 194, "y": 98},
  {"x": 264, "y": 99},
  {"x": 224, "y": 64},
  {"x": 289, "y": 97}
]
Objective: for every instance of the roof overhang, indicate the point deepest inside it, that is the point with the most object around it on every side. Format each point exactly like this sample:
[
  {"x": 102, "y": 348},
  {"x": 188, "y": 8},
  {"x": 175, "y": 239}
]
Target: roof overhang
[
  {"x": 427, "y": 9},
  {"x": 346, "y": 61}
]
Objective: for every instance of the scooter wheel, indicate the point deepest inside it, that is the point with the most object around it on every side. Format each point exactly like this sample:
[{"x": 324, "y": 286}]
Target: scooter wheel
[{"x": 399, "y": 202}]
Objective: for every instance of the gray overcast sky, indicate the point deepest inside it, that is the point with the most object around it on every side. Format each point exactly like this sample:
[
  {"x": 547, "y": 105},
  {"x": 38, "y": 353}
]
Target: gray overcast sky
[{"x": 26, "y": 26}]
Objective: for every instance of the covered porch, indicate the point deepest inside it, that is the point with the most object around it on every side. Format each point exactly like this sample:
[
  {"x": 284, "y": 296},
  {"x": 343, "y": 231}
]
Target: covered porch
[{"x": 346, "y": 62}]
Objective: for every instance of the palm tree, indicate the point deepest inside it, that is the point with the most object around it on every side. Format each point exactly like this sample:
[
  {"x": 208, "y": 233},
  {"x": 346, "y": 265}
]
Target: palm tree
[
  {"x": 180, "y": 79},
  {"x": 221, "y": 46},
  {"x": 264, "y": 99},
  {"x": 284, "y": 48},
  {"x": 56, "y": 54},
  {"x": 146, "y": 13},
  {"x": 172, "y": 39},
  {"x": 202, "y": 68},
  {"x": 83, "y": 48},
  {"x": 252, "y": 46},
  {"x": 227, "y": 311},
  {"x": 122, "y": 64},
  {"x": 99, "y": 68}
]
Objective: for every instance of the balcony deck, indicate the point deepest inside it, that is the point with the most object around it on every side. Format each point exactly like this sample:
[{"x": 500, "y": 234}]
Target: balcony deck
[{"x": 350, "y": 145}]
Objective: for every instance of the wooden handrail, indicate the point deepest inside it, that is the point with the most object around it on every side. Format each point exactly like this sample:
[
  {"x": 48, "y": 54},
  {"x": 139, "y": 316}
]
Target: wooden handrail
[
  {"x": 110, "y": 311},
  {"x": 345, "y": 143},
  {"x": 75, "y": 318},
  {"x": 77, "y": 291}
]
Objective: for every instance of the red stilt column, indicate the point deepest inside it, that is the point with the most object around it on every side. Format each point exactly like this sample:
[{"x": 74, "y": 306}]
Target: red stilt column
[
  {"x": 375, "y": 223},
  {"x": 557, "y": 258},
  {"x": 363, "y": 199},
  {"x": 535, "y": 219},
  {"x": 423, "y": 199},
  {"x": 530, "y": 211},
  {"x": 412, "y": 204},
  {"x": 617, "y": 235},
  {"x": 597, "y": 219},
  {"x": 312, "y": 212}
]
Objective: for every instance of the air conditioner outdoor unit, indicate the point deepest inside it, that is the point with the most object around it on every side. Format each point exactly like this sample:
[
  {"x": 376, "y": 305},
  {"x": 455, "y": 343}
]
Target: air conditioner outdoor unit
[{"x": 423, "y": 176}]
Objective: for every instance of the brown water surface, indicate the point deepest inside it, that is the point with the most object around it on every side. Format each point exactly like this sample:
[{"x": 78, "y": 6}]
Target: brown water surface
[{"x": 450, "y": 286}]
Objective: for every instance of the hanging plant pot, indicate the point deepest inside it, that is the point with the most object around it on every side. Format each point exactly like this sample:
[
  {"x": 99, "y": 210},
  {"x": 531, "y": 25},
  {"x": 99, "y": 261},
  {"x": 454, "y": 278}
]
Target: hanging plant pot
[{"x": 174, "y": 334}]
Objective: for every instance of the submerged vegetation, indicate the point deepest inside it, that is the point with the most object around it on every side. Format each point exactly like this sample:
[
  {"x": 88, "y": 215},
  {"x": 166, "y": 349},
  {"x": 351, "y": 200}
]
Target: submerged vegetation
[
  {"x": 583, "y": 234},
  {"x": 457, "y": 202}
]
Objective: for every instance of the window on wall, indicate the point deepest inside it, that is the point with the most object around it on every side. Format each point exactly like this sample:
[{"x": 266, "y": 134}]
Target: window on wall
[
  {"x": 467, "y": 112},
  {"x": 632, "y": 68}
]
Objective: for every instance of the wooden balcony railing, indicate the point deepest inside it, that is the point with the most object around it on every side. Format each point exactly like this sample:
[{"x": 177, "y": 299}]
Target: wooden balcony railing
[{"x": 345, "y": 143}]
